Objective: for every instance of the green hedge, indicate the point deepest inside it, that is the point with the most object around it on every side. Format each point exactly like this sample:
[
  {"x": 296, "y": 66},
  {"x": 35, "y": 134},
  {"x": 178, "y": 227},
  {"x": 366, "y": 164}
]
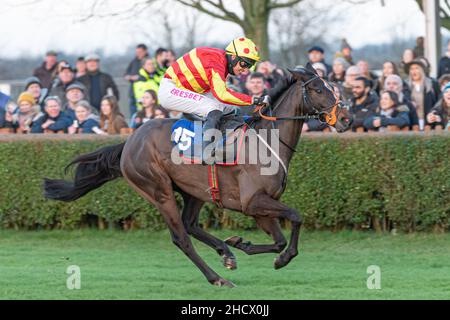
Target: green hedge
[{"x": 384, "y": 182}]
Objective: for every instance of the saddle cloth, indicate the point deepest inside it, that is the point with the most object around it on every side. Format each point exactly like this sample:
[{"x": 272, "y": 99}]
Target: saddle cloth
[{"x": 187, "y": 137}]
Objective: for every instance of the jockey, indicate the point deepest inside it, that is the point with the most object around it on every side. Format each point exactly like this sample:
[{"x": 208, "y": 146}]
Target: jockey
[{"x": 196, "y": 82}]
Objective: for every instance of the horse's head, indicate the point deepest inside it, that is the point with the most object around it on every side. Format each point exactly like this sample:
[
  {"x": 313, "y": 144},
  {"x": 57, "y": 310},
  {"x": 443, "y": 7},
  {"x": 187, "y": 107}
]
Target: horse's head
[{"x": 319, "y": 98}]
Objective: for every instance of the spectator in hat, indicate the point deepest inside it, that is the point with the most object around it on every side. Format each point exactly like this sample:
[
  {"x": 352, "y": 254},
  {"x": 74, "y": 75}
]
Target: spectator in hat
[
  {"x": 97, "y": 83},
  {"x": 75, "y": 92},
  {"x": 443, "y": 80},
  {"x": 394, "y": 83},
  {"x": 80, "y": 67},
  {"x": 346, "y": 52},
  {"x": 33, "y": 85},
  {"x": 54, "y": 120},
  {"x": 47, "y": 70},
  {"x": 424, "y": 90},
  {"x": 28, "y": 112},
  {"x": 440, "y": 113},
  {"x": 389, "y": 113},
  {"x": 111, "y": 120},
  {"x": 147, "y": 79},
  {"x": 132, "y": 73},
  {"x": 364, "y": 102},
  {"x": 85, "y": 121},
  {"x": 340, "y": 66},
  {"x": 315, "y": 55},
  {"x": 66, "y": 76},
  {"x": 389, "y": 68}
]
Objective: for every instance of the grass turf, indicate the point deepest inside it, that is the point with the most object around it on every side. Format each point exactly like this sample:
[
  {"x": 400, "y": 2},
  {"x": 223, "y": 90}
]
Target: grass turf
[{"x": 146, "y": 265}]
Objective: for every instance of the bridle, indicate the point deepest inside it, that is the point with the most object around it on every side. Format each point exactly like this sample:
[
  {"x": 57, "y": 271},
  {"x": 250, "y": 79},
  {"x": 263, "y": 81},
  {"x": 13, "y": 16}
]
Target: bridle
[{"x": 328, "y": 116}]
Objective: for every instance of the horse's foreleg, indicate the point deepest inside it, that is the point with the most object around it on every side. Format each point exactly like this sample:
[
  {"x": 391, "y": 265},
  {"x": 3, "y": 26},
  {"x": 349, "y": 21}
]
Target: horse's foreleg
[
  {"x": 272, "y": 228},
  {"x": 190, "y": 215},
  {"x": 262, "y": 205}
]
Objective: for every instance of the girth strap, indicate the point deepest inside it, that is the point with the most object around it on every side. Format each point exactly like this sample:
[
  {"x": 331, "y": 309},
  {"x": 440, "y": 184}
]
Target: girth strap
[{"x": 213, "y": 181}]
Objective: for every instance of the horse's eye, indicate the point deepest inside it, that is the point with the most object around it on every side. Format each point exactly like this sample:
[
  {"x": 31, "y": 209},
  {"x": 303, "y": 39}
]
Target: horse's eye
[{"x": 318, "y": 91}]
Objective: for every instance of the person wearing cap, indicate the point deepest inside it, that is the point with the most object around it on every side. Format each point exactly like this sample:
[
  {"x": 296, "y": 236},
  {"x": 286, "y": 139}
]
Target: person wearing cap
[
  {"x": 424, "y": 90},
  {"x": 66, "y": 77},
  {"x": 47, "y": 70},
  {"x": 440, "y": 113},
  {"x": 316, "y": 55},
  {"x": 54, "y": 120},
  {"x": 33, "y": 85},
  {"x": 346, "y": 52},
  {"x": 74, "y": 94},
  {"x": 97, "y": 83},
  {"x": 28, "y": 112}
]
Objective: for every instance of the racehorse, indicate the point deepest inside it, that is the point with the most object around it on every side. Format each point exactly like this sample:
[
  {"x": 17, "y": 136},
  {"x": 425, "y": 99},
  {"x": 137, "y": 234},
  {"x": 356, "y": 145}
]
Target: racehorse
[{"x": 144, "y": 160}]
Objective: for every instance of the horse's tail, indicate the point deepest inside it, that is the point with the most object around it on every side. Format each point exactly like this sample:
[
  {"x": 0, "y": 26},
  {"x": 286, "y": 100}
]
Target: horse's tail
[{"x": 92, "y": 171}]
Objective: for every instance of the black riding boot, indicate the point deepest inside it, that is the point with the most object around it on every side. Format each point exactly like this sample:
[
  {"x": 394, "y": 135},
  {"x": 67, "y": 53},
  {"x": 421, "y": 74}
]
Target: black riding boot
[{"x": 212, "y": 122}]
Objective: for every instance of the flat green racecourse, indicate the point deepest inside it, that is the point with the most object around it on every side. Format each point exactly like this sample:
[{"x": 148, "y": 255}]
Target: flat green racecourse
[{"x": 146, "y": 265}]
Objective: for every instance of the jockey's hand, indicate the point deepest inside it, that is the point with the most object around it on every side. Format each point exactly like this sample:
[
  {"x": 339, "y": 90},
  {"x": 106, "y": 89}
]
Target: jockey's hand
[{"x": 261, "y": 101}]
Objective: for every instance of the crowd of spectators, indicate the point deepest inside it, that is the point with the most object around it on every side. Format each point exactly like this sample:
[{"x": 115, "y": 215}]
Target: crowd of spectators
[{"x": 63, "y": 98}]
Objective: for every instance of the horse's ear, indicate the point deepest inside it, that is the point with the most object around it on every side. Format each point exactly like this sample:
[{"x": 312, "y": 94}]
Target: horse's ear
[
  {"x": 297, "y": 73},
  {"x": 309, "y": 67}
]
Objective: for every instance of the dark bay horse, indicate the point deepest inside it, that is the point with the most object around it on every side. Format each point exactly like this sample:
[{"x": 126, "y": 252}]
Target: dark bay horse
[{"x": 144, "y": 160}]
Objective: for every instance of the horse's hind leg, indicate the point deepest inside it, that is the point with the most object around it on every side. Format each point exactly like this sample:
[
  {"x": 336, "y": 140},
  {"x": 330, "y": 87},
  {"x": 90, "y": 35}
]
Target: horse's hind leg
[
  {"x": 190, "y": 215},
  {"x": 272, "y": 228},
  {"x": 167, "y": 206}
]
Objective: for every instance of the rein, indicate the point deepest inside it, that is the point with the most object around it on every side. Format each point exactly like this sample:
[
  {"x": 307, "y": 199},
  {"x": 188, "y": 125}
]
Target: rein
[{"x": 323, "y": 116}]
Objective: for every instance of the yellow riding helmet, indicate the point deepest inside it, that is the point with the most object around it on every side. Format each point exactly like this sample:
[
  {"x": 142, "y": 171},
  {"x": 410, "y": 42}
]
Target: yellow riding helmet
[{"x": 243, "y": 47}]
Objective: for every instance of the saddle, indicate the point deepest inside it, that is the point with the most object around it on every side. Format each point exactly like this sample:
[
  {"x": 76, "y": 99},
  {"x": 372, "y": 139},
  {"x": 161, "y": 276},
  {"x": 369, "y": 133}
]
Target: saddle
[{"x": 187, "y": 135}]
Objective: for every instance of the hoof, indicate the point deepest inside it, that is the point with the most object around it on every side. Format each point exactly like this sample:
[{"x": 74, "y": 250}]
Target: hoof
[
  {"x": 283, "y": 259},
  {"x": 233, "y": 241},
  {"x": 229, "y": 262},
  {"x": 223, "y": 283}
]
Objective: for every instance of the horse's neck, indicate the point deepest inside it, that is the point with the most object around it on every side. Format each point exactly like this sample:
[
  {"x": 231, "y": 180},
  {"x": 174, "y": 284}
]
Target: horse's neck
[{"x": 288, "y": 130}]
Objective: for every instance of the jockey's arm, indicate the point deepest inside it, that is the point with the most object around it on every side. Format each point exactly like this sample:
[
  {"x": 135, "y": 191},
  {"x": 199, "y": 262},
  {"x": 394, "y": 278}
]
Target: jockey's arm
[{"x": 225, "y": 95}]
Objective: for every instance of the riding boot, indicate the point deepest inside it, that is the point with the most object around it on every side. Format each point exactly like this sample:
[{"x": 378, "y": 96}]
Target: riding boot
[{"x": 212, "y": 122}]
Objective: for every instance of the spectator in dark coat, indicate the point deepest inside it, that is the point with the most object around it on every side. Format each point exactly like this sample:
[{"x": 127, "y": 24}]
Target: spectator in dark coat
[
  {"x": 33, "y": 85},
  {"x": 394, "y": 83},
  {"x": 444, "y": 63},
  {"x": 272, "y": 74},
  {"x": 53, "y": 120},
  {"x": 66, "y": 76},
  {"x": 424, "y": 91},
  {"x": 317, "y": 54},
  {"x": 440, "y": 114},
  {"x": 388, "y": 113},
  {"x": 97, "y": 83},
  {"x": 80, "y": 67},
  {"x": 364, "y": 102},
  {"x": 46, "y": 72},
  {"x": 132, "y": 73}
]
